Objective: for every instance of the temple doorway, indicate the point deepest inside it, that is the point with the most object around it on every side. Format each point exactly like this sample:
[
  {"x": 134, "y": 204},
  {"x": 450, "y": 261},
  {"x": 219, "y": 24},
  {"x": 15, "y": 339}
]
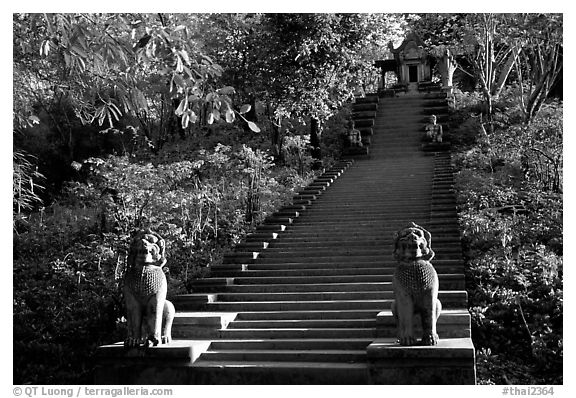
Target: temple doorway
[{"x": 412, "y": 73}]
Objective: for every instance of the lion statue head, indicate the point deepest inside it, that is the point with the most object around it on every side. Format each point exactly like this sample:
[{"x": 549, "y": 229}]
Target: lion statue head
[
  {"x": 147, "y": 248},
  {"x": 413, "y": 243}
]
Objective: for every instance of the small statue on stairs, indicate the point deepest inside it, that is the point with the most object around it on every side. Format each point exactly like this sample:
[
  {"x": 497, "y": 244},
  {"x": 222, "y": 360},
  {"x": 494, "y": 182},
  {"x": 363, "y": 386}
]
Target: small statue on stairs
[
  {"x": 415, "y": 284},
  {"x": 433, "y": 131},
  {"x": 354, "y": 136},
  {"x": 145, "y": 289}
]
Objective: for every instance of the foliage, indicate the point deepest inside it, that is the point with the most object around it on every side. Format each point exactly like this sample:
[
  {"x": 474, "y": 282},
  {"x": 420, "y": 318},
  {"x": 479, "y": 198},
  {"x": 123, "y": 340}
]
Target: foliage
[
  {"x": 511, "y": 221},
  {"x": 67, "y": 264},
  {"x": 540, "y": 62},
  {"x": 101, "y": 68},
  {"x": 25, "y": 184}
]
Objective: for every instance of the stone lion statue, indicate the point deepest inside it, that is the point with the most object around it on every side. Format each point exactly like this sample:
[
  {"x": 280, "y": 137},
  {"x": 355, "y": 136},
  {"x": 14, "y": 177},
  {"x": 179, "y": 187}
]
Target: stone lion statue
[
  {"x": 415, "y": 283},
  {"x": 145, "y": 289}
]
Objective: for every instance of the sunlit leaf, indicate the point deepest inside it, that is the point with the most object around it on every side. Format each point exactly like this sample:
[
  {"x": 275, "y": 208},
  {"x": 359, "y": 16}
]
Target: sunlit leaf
[
  {"x": 181, "y": 107},
  {"x": 245, "y": 108},
  {"x": 253, "y": 127},
  {"x": 185, "y": 120},
  {"x": 34, "y": 119},
  {"x": 179, "y": 64},
  {"x": 230, "y": 116},
  {"x": 185, "y": 56}
]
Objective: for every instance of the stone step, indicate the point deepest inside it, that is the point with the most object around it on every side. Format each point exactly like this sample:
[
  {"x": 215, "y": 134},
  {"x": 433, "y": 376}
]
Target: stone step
[
  {"x": 295, "y": 255},
  {"x": 256, "y": 287},
  {"x": 351, "y": 344},
  {"x": 363, "y": 123},
  {"x": 449, "y": 299},
  {"x": 303, "y": 235},
  {"x": 283, "y": 373},
  {"x": 255, "y": 278},
  {"x": 384, "y": 262},
  {"x": 327, "y": 355},
  {"x": 373, "y": 107},
  {"x": 414, "y": 117},
  {"x": 366, "y": 240},
  {"x": 344, "y": 211},
  {"x": 386, "y": 255},
  {"x": 318, "y": 296},
  {"x": 319, "y": 251},
  {"x": 352, "y": 243},
  {"x": 368, "y": 99},
  {"x": 447, "y": 228},
  {"x": 334, "y": 229},
  {"x": 308, "y": 305},
  {"x": 305, "y": 324},
  {"x": 203, "y": 372},
  {"x": 285, "y": 333},
  {"x": 383, "y": 266},
  {"x": 447, "y": 282},
  {"x": 308, "y": 314},
  {"x": 363, "y": 114},
  {"x": 355, "y": 219},
  {"x": 411, "y": 100},
  {"x": 337, "y": 208}
]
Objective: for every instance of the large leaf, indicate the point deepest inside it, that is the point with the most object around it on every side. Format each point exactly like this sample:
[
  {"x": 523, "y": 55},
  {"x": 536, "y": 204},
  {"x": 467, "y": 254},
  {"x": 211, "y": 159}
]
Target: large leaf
[
  {"x": 253, "y": 127},
  {"x": 245, "y": 108},
  {"x": 230, "y": 116},
  {"x": 182, "y": 107},
  {"x": 185, "y": 120}
]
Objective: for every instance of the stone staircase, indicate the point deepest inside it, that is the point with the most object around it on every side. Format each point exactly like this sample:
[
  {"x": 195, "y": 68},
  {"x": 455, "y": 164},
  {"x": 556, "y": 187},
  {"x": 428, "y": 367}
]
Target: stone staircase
[{"x": 306, "y": 298}]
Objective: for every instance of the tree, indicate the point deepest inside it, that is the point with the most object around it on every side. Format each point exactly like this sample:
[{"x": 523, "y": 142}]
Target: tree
[
  {"x": 493, "y": 51},
  {"x": 145, "y": 68},
  {"x": 496, "y": 45},
  {"x": 540, "y": 63},
  {"x": 485, "y": 41}
]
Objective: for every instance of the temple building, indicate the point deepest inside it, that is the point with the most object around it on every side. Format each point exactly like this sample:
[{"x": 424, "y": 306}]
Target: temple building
[{"x": 411, "y": 64}]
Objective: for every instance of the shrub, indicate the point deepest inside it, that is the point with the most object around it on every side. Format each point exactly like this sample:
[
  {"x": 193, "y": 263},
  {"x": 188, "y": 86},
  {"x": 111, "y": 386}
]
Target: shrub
[{"x": 510, "y": 209}]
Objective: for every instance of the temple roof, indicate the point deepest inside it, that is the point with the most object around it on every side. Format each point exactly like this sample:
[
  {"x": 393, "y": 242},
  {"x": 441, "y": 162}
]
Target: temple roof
[{"x": 410, "y": 37}]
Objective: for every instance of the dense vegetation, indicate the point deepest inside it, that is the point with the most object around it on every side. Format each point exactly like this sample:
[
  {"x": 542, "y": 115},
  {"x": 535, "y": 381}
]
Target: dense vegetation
[
  {"x": 200, "y": 125},
  {"x": 509, "y": 186}
]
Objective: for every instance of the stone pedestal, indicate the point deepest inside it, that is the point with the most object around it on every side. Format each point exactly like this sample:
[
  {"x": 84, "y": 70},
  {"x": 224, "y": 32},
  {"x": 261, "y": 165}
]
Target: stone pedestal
[
  {"x": 117, "y": 365},
  {"x": 449, "y": 362}
]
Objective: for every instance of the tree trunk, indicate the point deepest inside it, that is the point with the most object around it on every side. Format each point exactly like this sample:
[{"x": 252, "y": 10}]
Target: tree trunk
[
  {"x": 447, "y": 66},
  {"x": 315, "y": 138},
  {"x": 276, "y": 140},
  {"x": 497, "y": 89}
]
